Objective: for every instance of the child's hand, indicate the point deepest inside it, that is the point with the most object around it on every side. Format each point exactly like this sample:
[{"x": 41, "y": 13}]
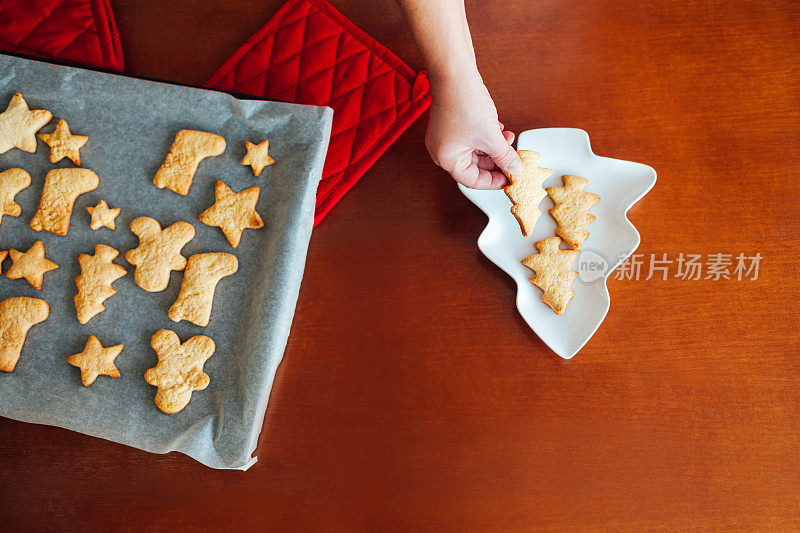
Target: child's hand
[{"x": 465, "y": 137}]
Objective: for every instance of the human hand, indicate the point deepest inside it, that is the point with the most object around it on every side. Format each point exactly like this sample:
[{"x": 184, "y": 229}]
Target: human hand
[{"x": 465, "y": 136}]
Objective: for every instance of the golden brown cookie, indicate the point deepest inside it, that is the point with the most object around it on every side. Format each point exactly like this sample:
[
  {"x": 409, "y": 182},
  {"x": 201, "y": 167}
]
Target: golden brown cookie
[
  {"x": 61, "y": 187},
  {"x": 188, "y": 149},
  {"x": 257, "y": 157},
  {"x": 17, "y": 315},
  {"x": 98, "y": 272},
  {"x": 525, "y": 190},
  {"x": 3, "y": 255},
  {"x": 179, "y": 371},
  {"x": 158, "y": 253},
  {"x": 30, "y": 265},
  {"x": 233, "y": 212},
  {"x": 553, "y": 274},
  {"x": 572, "y": 209},
  {"x": 103, "y": 216},
  {"x": 63, "y": 143},
  {"x": 203, "y": 272},
  {"x": 11, "y": 182},
  {"x": 18, "y": 125},
  {"x": 95, "y": 361}
]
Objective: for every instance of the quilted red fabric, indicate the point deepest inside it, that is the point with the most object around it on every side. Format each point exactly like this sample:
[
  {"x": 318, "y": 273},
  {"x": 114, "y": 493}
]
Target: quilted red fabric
[
  {"x": 309, "y": 53},
  {"x": 77, "y": 31}
]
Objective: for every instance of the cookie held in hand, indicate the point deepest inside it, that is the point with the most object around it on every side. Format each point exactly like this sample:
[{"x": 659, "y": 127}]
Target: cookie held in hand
[{"x": 525, "y": 190}]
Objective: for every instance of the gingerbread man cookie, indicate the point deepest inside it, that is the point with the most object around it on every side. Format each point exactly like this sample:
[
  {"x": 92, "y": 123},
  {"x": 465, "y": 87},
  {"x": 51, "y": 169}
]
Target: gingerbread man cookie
[
  {"x": 158, "y": 253},
  {"x": 179, "y": 371}
]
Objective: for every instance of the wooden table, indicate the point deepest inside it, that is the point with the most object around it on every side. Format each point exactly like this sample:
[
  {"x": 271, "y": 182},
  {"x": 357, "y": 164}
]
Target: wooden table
[{"x": 413, "y": 396}]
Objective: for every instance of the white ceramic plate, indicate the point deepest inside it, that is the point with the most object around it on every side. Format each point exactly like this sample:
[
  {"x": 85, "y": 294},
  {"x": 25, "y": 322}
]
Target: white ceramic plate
[{"x": 612, "y": 237}]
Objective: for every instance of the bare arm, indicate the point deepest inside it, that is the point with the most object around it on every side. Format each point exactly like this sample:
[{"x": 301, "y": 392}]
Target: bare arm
[{"x": 464, "y": 135}]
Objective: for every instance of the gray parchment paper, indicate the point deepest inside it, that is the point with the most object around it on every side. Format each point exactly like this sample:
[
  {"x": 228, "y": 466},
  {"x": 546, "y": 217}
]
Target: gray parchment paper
[{"x": 131, "y": 124}]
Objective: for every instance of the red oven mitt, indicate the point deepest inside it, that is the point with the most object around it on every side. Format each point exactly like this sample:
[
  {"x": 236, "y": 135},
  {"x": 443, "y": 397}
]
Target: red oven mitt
[
  {"x": 309, "y": 53},
  {"x": 76, "y": 31}
]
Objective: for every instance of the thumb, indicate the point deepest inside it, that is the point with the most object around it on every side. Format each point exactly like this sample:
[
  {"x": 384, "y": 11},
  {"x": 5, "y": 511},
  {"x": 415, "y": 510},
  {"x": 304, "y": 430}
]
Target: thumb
[{"x": 503, "y": 155}]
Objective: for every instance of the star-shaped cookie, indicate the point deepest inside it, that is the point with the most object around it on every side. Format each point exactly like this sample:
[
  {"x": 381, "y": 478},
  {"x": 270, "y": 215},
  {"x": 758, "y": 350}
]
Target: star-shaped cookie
[
  {"x": 63, "y": 143},
  {"x": 257, "y": 156},
  {"x": 18, "y": 125},
  {"x": 30, "y": 265},
  {"x": 233, "y": 212},
  {"x": 102, "y": 216},
  {"x": 95, "y": 361}
]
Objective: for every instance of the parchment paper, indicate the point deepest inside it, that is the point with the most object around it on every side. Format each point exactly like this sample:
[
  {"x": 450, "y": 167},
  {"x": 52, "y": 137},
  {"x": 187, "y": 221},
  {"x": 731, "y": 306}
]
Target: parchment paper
[{"x": 131, "y": 124}]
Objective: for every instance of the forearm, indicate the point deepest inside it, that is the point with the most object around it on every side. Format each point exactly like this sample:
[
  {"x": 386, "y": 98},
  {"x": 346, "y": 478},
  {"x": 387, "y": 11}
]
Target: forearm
[{"x": 442, "y": 34}]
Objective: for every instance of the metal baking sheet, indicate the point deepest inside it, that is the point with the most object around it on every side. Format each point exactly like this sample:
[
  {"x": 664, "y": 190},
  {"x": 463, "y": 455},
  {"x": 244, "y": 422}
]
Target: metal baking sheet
[{"x": 131, "y": 124}]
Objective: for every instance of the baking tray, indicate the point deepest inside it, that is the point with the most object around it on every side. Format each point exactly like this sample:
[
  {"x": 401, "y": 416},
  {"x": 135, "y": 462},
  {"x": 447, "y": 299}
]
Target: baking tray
[{"x": 131, "y": 124}]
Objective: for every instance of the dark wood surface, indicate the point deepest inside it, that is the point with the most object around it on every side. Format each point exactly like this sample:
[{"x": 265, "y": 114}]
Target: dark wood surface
[{"x": 413, "y": 396}]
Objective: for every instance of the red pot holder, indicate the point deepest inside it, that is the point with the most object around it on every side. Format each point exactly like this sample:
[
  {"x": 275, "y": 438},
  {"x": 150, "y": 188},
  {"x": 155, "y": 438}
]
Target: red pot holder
[
  {"x": 76, "y": 31},
  {"x": 309, "y": 53}
]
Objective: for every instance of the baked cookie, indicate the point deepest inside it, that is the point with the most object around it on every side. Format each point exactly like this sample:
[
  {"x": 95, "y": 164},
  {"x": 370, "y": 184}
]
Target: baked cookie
[
  {"x": 257, "y": 156},
  {"x": 95, "y": 361},
  {"x": 98, "y": 272},
  {"x": 188, "y": 149},
  {"x": 12, "y": 181},
  {"x": 17, "y": 315},
  {"x": 553, "y": 274},
  {"x": 203, "y": 272},
  {"x": 18, "y": 125},
  {"x": 525, "y": 190},
  {"x": 61, "y": 187},
  {"x": 103, "y": 216},
  {"x": 179, "y": 371},
  {"x": 572, "y": 210},
  {"x": 233, "y": 212},
  {"x": 63, "y": 143},
  {"x": 30, "y": 265},
  {"x": 158, "y": 253}
]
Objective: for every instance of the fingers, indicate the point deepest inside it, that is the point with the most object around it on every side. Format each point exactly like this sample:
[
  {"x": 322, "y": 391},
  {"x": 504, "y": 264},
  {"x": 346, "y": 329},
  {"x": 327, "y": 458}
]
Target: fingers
[
  {"x": 509, "y": 136},
  {"x": 498, "y": 148},
  {"x": 475, "y": 177}
]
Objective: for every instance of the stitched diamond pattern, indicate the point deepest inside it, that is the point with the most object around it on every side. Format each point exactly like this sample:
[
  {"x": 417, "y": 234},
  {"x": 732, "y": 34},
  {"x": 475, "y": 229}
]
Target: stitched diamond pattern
[
  {"x": 78, "y": 31},
  {"x": 309, "y": 53}
]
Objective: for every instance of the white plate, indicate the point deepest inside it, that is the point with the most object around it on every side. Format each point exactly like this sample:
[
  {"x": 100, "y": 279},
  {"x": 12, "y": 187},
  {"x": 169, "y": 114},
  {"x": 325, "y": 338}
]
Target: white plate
[{"x": 612, "y": 237}]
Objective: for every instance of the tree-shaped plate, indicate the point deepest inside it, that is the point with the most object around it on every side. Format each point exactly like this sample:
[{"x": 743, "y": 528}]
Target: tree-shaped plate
[{"x": 612, "y": 238}]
